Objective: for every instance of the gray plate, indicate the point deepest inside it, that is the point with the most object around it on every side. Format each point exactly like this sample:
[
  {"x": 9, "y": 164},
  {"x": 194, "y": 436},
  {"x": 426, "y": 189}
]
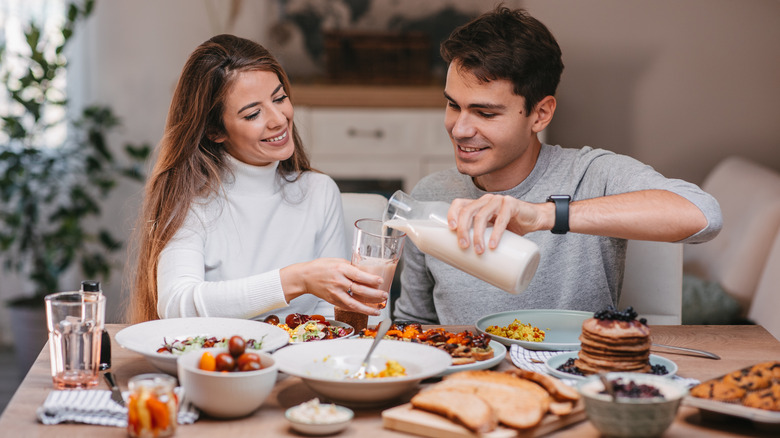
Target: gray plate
[
  {"x": 562, "y": 328},
  {"x": 554, "y": 362}
]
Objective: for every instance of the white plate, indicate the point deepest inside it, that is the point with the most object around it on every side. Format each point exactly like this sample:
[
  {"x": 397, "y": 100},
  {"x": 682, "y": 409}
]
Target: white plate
[
  {"x": 145, "y": 338},
  {"x": 561, "y": 328},
  {"x": 323, "y": 366},
  {"x": 554, "y": 362},
  {"x": 499, "y": 354}
]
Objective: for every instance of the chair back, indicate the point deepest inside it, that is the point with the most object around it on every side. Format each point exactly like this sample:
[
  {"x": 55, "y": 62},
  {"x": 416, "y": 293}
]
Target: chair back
[
  {"x": 652, "y": 281},
  {"x": 749, "y": 198},
  {"x": 360, "y": 206},
  {"x": 766, "y": 301}
]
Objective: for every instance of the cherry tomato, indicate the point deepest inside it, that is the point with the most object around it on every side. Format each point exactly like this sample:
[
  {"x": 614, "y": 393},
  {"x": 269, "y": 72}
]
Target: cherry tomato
[
  {"x": 319, "y": 318},
  {"x": 293, "y": 320},
  {"x": 225, "y": 362},
  {"x": 250, "y": 366},
  {"x": 272, "y": 319},
  {"x": 236, "y": 346},
  {"x": 247, "y": 357},
  {"x": 207, "y": 362}
]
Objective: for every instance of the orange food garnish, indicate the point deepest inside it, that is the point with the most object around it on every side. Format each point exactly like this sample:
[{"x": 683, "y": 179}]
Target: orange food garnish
[
  {"x": 132, "y": 413},
  {"x": 159, "y": 413},
  {"x": 207, "y": 362}
]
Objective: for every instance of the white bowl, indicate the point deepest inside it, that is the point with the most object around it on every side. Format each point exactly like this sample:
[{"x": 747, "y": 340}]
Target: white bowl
[
  {"x": 632, "y": 417},
  {"x": 145, "y": 338},
  {"x": 324, "y": 367},
  {"x": 226, "y": 394},
  {"x": 319, "y": 427}
]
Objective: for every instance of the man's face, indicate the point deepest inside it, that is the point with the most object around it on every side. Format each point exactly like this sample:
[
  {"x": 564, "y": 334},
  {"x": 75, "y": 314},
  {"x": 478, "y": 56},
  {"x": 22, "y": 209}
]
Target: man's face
[{"x": 493, "y": 139}]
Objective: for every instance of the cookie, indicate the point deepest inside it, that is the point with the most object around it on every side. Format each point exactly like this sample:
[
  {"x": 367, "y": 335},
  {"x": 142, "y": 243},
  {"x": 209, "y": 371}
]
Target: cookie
[
  {"x": 772, "y": 368},
  {"x": 718, "y": 390},
  {"x": 764, "y": 399},
  {"x": 752, "y": 378}
]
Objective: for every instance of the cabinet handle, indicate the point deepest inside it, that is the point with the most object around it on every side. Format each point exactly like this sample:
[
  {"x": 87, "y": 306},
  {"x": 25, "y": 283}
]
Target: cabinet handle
[{"x": 375, "y": 133}]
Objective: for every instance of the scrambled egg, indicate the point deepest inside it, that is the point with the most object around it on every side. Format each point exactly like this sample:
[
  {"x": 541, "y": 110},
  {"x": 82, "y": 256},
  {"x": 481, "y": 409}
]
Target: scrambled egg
[
  {"x": 392, "y": 369},
  {"x": 519, "y": 331}
]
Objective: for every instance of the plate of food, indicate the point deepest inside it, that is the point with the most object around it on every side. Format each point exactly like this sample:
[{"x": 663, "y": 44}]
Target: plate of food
[
  {"x": 395, "y": 369},
  {"x": 536, "y": 329},
  {"x": 751, "y": 393},
  {"x": 308, "y": 328},
  {"x": 469, "y": 351},
  {"x": 561, "y": 366},
  {"x": 162, "y": 341},
  {"x": 499, "y": 354}
]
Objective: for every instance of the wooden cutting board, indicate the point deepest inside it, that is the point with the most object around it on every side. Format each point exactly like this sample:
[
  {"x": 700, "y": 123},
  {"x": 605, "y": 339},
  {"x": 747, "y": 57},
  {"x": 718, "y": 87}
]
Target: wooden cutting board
[{"x": 404, "y": 418}]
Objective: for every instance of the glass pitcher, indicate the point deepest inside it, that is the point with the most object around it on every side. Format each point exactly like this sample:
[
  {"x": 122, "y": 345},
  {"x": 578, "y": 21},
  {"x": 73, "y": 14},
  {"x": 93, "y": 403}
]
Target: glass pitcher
[{"x": 509, "y": 267}]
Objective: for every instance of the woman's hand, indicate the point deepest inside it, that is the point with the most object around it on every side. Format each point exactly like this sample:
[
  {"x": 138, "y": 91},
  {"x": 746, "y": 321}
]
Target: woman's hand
[
  {"x": 502, "y": 212},
  {"x": 335, "y": 281}
]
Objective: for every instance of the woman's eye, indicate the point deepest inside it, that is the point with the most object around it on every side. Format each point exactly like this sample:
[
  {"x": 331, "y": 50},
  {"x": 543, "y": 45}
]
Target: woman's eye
[
  {"x": 252, "y": 116},
  {"x": 281, "y": 98}
]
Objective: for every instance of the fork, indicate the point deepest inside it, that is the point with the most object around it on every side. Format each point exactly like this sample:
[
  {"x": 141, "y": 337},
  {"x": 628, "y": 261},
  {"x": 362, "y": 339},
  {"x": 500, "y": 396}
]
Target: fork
[{"x": 380, "y": 333}]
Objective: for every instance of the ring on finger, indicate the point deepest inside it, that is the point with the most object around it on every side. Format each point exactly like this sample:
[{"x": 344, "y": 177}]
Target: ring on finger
[{"x": 349, "y": 289}]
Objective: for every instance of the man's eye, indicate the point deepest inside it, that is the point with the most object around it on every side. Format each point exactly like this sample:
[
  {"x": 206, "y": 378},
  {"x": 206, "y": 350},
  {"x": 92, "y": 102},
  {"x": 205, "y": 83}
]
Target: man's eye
[
  {"x": 487, "y": 115},
  {"x": 453, "y": 105}
]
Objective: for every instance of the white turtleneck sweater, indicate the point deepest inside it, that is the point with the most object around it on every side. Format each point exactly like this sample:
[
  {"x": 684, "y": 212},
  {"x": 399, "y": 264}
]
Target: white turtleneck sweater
[{"x": 225, "y": 259}]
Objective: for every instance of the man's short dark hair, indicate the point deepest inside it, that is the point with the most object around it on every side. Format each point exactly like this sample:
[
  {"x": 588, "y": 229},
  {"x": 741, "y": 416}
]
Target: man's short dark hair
[{"x": 508, "y": 44}]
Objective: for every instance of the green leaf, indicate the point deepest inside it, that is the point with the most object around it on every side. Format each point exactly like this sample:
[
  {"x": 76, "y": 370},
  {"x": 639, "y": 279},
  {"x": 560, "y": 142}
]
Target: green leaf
[{"x": 51, "y": 197}]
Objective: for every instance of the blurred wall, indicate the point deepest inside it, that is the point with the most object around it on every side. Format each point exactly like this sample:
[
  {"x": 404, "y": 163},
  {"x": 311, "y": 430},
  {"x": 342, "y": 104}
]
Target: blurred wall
[{"x": 678, "y": 85}]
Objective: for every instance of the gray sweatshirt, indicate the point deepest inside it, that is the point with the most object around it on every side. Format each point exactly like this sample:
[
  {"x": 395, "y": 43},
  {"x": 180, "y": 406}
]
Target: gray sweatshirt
[{"x": 576, "y": 271}]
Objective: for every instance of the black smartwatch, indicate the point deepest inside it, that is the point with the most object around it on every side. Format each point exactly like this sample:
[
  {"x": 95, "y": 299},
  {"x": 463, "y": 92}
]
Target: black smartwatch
[{"x": 561, "y": 213}]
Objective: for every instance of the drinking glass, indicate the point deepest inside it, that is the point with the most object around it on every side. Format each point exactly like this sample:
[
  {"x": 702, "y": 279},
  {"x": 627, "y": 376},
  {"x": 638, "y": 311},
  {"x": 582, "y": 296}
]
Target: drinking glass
[
  {"x": 75, "y": 322},
  {"x": 375, "y": 249}
]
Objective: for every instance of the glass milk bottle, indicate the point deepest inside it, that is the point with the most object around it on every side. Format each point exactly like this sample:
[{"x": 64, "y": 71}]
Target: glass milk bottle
[{"x": 509, "y": 267}]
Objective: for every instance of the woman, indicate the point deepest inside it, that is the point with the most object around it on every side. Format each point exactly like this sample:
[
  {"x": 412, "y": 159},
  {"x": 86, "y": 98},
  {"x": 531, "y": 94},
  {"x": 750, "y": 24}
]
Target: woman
[{"x": 235, "y": 222}]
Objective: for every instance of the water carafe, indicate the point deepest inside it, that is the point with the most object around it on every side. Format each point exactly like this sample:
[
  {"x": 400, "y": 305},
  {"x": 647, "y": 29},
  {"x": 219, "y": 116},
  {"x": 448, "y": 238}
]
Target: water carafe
[{"x": 509, "y": 267}]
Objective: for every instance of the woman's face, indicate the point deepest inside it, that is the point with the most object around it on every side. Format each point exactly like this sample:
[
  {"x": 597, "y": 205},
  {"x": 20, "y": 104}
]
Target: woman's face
[{"x": 258, "y": 119}]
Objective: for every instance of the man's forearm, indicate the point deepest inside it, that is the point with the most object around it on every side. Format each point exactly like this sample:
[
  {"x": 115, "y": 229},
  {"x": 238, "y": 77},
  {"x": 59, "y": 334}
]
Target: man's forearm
[{"x": 657, "y": 215}]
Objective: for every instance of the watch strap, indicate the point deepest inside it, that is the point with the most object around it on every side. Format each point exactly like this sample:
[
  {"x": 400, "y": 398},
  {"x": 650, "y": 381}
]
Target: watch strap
[{"x": 561, "y": 213}]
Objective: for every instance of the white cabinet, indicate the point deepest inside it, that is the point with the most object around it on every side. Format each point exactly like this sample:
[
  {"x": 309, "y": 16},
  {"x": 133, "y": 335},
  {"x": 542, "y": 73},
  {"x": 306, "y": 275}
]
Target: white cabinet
[{"x": 375, "y": 143}]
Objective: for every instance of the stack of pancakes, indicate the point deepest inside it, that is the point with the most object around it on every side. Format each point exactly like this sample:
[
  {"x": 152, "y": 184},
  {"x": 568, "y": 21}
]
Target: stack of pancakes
[{"x": 613, "y": 345}]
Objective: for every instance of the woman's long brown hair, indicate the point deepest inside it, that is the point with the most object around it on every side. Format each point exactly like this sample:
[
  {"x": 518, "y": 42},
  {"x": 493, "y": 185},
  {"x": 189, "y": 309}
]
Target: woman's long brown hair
[{"x": 190, "y": 166}]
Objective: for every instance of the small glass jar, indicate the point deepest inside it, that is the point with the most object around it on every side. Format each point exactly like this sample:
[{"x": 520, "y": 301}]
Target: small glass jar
[{"x": 152, "y": 409}]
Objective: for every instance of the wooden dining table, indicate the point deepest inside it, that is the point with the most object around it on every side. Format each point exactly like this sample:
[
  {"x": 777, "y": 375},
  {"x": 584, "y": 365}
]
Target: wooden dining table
[{"x": 738, "y": 346}]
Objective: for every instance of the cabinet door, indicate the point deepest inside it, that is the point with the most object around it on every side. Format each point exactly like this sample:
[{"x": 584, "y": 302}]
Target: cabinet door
[{"x": 371, "y": 132}]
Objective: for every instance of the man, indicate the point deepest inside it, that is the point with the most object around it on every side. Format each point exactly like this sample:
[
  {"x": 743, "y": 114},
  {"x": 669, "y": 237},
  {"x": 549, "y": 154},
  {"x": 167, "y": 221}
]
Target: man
[{"x": 504, "y": 68}]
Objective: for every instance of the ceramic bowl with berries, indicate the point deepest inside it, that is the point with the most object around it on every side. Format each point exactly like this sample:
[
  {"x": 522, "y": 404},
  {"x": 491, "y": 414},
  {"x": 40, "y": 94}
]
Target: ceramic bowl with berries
[
  {"x": 227, "y": 382},
  {"x": 644, "y": 405}
]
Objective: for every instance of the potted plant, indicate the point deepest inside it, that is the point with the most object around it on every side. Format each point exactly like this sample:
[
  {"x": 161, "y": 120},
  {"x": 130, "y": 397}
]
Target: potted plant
[{"x": 50, "y": 194}]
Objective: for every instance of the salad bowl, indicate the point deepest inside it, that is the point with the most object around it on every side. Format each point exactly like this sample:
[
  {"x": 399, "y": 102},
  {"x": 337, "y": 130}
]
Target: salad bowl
[{"x": 153, "y": 339}]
